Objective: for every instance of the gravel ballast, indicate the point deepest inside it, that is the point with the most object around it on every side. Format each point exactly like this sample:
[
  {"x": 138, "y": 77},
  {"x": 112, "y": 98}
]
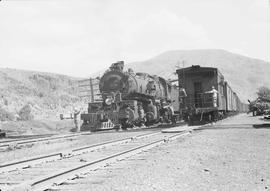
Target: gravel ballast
[{"x": 220, "y": 159}]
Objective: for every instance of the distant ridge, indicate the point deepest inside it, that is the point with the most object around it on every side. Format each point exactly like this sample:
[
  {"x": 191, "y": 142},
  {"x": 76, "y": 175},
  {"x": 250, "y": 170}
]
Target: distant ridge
[{"x": 244, "y": 74}]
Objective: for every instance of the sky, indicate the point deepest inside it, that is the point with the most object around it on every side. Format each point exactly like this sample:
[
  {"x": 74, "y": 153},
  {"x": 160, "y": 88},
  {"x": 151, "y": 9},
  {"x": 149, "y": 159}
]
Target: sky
[{"x": 81, "y": 37}]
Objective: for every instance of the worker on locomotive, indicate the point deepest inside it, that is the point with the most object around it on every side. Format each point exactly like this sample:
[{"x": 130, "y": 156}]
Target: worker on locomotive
[{"x": 76, "y": 115}]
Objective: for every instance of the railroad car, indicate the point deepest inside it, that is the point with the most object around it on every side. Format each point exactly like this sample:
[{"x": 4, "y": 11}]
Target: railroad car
[
  {"x": 200, "y": 102},
  {"x": 129, "y": 98}
]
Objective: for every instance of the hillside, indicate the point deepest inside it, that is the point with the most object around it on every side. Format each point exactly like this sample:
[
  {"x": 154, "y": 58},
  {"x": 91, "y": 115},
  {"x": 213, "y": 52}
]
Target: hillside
[
  {"x": 244, "y": 74},
  {"x": 50, "y": 94},
  {"x": 47, "y": 94}
]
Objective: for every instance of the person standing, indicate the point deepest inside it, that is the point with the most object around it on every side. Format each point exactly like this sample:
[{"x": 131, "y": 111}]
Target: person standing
[
  {"x": 214, "y": 93},
  {"x": 124, "y": 116},
  {"x": 77, "y": 119},
  {"x": 141, "y": 115}
]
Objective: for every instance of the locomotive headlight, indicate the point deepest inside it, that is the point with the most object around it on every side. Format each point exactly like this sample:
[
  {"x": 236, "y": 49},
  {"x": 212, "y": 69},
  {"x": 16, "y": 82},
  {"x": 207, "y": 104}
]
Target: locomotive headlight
[{"x": 108, "y": 101}]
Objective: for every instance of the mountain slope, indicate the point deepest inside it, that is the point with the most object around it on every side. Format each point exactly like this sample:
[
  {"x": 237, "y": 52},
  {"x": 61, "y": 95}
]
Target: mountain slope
[
  {"x": 47, "y": 94},
  {"x": 244, "y": 74}
]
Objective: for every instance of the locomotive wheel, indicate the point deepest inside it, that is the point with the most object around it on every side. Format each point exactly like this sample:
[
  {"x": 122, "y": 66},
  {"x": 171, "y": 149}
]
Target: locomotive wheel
[
  {"x": 215, "y": 116},
  {"x": 190, "y": 119},
  {"x": 173, "y": 120},
  {"x": 131, "y": 115},
  {"x": 117, "y": 127},
  {"x": 124, "y": 123},
  {"x": 150, "y": 117}
]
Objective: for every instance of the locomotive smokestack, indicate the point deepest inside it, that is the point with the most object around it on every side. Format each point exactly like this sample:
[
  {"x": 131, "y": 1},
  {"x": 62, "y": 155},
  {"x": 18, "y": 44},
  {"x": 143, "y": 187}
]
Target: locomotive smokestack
[
  {"x": 117, "y": 66},
  {"x": 121, "y": 62}
]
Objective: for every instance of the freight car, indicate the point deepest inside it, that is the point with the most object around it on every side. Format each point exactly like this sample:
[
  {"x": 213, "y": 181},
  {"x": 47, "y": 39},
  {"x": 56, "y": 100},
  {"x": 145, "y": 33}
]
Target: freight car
[
  {"x": 208, "y": 96},
  {"x": 129, "y": 98}
]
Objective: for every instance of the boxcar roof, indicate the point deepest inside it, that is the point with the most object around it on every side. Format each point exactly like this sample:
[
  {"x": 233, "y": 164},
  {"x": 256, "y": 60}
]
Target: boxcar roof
[{"x": 195, "y": 69}]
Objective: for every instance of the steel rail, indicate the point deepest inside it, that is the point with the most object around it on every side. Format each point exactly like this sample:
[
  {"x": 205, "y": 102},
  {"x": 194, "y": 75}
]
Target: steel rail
[
  {"x": 46, "y": 182},
  {"x": 18, "y": 164},
  {"x": 35, "y": 140},
  {"x": 12, "y": 139},
  {"x": 21, "y": 141}
]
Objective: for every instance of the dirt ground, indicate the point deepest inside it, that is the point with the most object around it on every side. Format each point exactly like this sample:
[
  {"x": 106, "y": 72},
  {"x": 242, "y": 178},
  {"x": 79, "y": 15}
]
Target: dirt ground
[
  {"x": 37, "y": 127},
  {"x": 47, "y": 147},
  {"x": 209, "y": 159},
  {"x": 243, "y": 118}
]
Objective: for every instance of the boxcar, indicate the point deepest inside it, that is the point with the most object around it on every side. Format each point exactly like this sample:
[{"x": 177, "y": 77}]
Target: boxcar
[
  {"x": 229, "y": 95},
  {"x": 199, "y": 103}
]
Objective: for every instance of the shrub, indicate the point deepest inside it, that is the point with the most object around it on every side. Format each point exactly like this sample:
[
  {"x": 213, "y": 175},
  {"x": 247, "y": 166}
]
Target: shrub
[
  {"x": 263, "y": 92},
  {"x": 25, "y": 113},
  {"x": 6, "y": 115},
  {"x": 40, "y": 94},
  {"x": 5, "y": 102}
]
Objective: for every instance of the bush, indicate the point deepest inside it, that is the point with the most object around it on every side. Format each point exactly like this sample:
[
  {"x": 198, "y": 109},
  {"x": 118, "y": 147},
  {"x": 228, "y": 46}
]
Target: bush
[
  {"x": 5, "y": 102},
  {"x": 263, "y": 92},
  {"x": 40, "y": 94},
  {"x": 25, "y": 113},
  {"x": 6, "y": 115}
]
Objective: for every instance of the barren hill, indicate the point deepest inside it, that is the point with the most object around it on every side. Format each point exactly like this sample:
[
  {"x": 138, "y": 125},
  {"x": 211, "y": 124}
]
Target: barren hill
[
  {"x": 47, "y": 94},
  {"x": 244, "y": 74}
]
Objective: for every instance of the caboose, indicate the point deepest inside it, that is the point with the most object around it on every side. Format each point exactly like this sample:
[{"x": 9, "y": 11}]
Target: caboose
[
  {"x": 208, "y": 96},
  {"x": 129, "y": 98}
]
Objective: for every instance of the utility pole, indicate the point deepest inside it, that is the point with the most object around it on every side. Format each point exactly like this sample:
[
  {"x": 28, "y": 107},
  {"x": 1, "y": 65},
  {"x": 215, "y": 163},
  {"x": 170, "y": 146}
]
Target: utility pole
[
  {"x": 183, "y": 62},
  {"x": 92, "y": 90}
]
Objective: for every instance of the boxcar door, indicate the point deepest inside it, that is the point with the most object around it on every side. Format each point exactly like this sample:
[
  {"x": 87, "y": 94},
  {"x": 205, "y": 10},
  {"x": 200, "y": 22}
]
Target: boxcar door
[{"x": 198, "y": 92}]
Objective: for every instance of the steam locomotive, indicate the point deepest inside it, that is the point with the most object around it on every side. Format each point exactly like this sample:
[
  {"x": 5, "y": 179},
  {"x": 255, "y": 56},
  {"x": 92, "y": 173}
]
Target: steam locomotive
[{"x": 131, "y": 99}]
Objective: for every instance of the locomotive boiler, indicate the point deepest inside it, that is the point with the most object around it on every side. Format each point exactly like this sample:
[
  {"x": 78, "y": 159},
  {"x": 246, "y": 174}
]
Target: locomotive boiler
[{"x": 130, "y": 99}]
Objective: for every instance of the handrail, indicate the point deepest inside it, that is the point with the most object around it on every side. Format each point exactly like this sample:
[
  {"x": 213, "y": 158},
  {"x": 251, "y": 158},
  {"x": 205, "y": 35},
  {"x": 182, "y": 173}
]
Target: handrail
[{"x": 200, "y": 101}]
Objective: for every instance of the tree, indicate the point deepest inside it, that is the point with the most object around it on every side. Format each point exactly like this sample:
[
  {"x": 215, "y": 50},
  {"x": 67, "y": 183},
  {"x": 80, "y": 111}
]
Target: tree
[
  {"x": 263, "y": 92},
  {"x": 6, "y": 115},
  {"x": 25, "y": 113}
]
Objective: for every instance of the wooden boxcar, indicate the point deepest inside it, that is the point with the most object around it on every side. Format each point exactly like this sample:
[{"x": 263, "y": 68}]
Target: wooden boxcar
[
  {"x": 200, "y": 103},
  {"x": 229, "y": 95}
]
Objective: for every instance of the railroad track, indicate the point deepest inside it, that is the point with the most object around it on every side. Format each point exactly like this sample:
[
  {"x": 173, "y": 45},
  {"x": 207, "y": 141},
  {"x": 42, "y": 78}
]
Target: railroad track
[
  {"x": 19, "y": 142},
  {"x": 14, "y": 143},
  {"x": 19, "y": 164},
  {"x": 43, "y": 175},
  {"x": 8, "y": 139}
]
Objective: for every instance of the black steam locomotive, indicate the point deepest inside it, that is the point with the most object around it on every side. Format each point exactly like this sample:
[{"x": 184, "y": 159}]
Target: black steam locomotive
[{"x": 131, "y": 99}]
